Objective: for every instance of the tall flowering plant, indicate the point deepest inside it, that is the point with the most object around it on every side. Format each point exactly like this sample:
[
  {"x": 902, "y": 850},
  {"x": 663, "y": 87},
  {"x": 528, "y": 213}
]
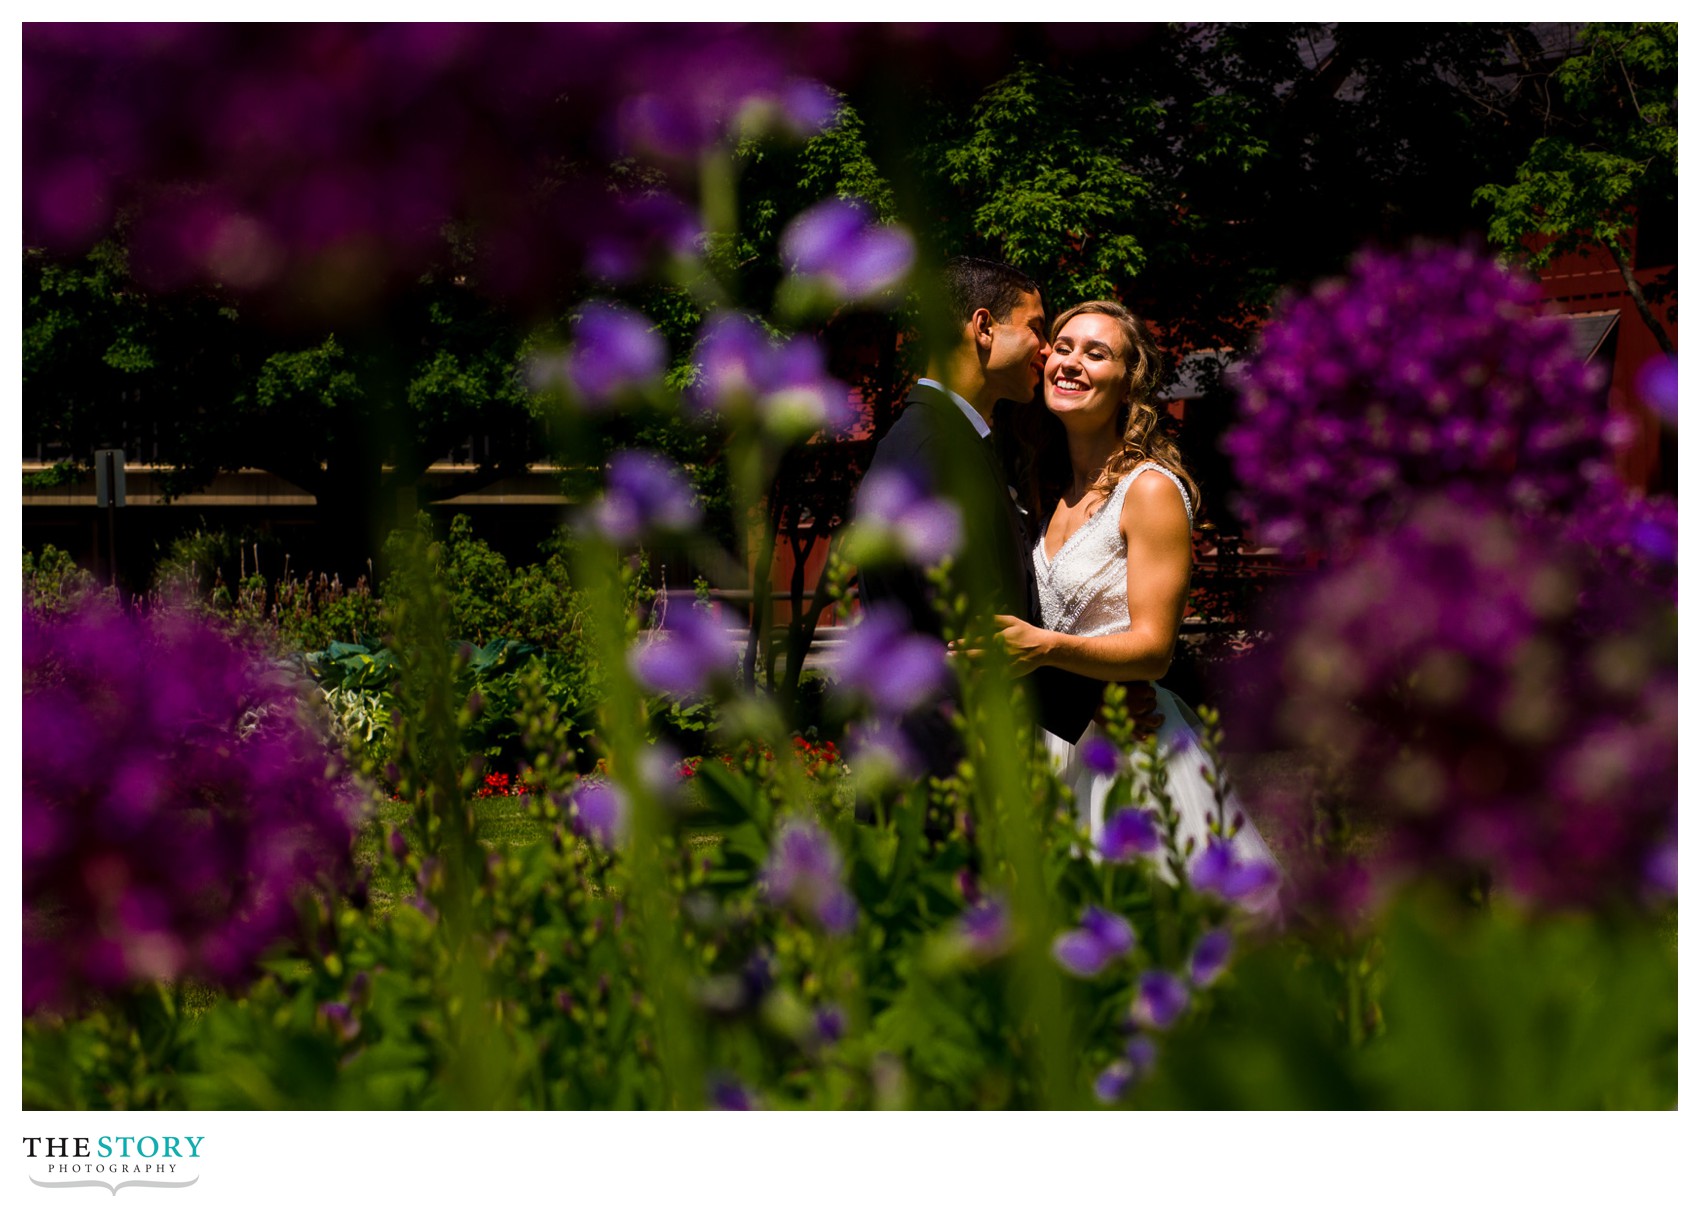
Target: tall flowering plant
[
  {"x": 1435, "y": 368},
  {"x": 177, "y": 798},
  {"x": 1491, "y": 658},
  {"x": 1508, "y": 713}
]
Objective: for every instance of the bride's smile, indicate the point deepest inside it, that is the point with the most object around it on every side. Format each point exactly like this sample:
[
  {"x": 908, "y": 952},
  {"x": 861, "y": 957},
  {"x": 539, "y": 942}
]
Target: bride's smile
[{"x": 1086, "y": 374}]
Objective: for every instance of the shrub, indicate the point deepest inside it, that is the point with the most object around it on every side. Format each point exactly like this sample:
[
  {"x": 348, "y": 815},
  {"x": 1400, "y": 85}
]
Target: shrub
[{"x": 55, "y": 585}]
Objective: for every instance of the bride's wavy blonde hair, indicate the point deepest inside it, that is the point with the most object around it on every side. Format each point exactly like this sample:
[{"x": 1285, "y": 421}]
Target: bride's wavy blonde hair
[{"x": 1141, "y": 421}]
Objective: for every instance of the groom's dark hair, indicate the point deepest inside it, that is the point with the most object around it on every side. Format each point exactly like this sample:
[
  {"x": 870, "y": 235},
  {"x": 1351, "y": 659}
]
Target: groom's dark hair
[{"x": 971, "y": 283}]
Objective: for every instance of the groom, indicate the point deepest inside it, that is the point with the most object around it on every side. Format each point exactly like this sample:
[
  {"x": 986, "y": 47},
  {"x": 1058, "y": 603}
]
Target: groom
[{"x": 995, "y": 350}]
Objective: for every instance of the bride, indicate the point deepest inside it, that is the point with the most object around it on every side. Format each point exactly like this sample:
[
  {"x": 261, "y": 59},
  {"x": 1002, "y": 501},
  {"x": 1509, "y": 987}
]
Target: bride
[{"x": 1114, "y": 561}]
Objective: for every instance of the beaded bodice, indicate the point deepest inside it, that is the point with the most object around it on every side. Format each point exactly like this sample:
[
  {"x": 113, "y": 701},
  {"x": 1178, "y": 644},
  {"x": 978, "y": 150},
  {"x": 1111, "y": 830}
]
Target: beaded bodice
[{"x": 1083, "y": 590}]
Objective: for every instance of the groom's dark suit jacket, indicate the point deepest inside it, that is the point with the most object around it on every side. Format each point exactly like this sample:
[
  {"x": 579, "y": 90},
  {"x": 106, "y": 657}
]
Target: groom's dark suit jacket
[{"x": 936, "y": 439}]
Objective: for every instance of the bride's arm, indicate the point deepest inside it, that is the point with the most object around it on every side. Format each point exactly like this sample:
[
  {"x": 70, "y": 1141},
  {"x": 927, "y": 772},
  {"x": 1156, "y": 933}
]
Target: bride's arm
[{"x": 1159, "y": 566}]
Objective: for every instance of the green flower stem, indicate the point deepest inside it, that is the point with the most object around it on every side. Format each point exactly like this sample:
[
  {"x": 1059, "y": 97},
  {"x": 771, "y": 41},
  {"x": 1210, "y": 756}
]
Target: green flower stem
[
  {"x": 1009, "y": 832},
  {"x": 475, "y": 1073},
  {"x": 719, "y": 177},
  {"x": 678, "y": 1049}
]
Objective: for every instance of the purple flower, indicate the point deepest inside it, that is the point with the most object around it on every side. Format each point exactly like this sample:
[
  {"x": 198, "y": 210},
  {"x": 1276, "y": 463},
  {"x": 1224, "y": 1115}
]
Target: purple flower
[
  {"x": 1160, "y": 999},
  {"x": 727, "y": 1093},
  {"x": 804, "y": 870},
  {"x": 1102, "y": 937},
  {"x": 1124, "y": 1072},
  {"x": 1100, "y": 755},
  {"x": 800, "y": 396},
  {"x": 691, "y": 96},
  {"x": 688, "y": 654},
  {"x": 1112, "y": 1084},
  {"x": 1210, "y": 957},
  {"x": 838, "y": 242},
  {"x": 288, "y": 167},
  {"x": 1505, "y": 700},
  {"x": 878, "y": 752},
  {"x": 757, "y": 975},
  {"x": 657, "y": 768},
  {"x": 1130, "y": 833},
  {"x": 1656, "y": 385},
  {"x": 647, "y": 493},
  {"x": 897, "y": 518},
  {"x": 398, "y": 845},
  {"x": 340, "y": 1019},
  {"x": 698, "y": 92},
  {"x": 636, "y": 232},
  {"x": 808, "y": 107},
  {"x": 741, "y": 371},
  {"x": 616, "y": 351},
  {"x": 175, "y": 801},
  {"x": 1660, "y": 871},
  {"x": 893, "y": 668},
  {"x": 1634, "y": 536},
  {"x": 1219, "y": 870},
  {"x": 829, "y": 1024},
  {"x": 1418, "y": 371},
  {"x": 733, "y": 354},
  {"x": 984, "y": 929},
  {"x": 600, "y": 812}
]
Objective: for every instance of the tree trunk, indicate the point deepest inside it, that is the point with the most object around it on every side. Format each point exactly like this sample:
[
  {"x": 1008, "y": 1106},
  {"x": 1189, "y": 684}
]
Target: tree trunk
[
  {"x": 805, "y": 633},
  {"x": 795, "y": 648},
  {"x": 760, "y": 601},
  {"x": 1640, "y": 299}
]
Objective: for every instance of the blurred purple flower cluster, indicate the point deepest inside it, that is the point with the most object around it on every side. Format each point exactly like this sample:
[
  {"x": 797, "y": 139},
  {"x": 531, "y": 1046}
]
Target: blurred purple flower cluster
[
  {"x": 1101, "y": 937},
  {"x": 616, "y": 354},
  {"x": 688, "y": 654},
  {"x": 804, "y": 871},
  {"x": 784, "y": 385},
  {"x": 637, "y": 233},
  {"x": 985, "y": 930},
  {"x": 1127, "y": 1070},
  {"x": 838, "y": 244},
  {"x": 1512, "y": 709},
  {"x": 735, "y": 88},
  {"x": 1130, "y": 834},
  {"x": 1159, "y": 999},
  {"x": 175, "y": 801},
  {"x": 1416, "y": 371},
  {"x": 647, "y": 495},
  {"x": 879, "y": 753},
  {"x": 1634, "y": 536},
  {"x": 600, "y": 812},
  {"x": 1248, "y": 882},
  {"x": 315, "y": 161},
  {"x": 1656, "y": 385},
  {"x": 890, "y": 668},
  {"x": 727, "y": 1093},
  {"x": 897, "y": 519}
]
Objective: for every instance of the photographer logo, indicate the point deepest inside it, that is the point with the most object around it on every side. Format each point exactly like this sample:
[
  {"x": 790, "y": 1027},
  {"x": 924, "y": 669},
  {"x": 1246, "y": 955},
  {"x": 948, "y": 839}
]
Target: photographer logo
[{"x": 113, "y": 1162}]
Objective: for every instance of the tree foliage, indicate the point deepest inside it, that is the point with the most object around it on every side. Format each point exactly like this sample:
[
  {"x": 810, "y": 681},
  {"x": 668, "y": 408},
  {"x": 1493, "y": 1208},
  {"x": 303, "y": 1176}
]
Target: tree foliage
[
  {"x": 1204, "y": 169},
  {"x": 1193, "y": 171},
  {"x": 1608, "y": 156}
]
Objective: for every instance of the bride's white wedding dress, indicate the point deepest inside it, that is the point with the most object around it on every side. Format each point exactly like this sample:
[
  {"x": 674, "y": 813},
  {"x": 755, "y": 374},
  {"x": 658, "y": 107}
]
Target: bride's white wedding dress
[{"x": 1083, "y": 591}]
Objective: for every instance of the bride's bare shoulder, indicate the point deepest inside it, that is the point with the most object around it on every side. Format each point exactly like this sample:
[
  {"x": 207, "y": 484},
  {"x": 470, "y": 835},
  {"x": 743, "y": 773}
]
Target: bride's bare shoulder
[{"x": 1154, "y": 505}]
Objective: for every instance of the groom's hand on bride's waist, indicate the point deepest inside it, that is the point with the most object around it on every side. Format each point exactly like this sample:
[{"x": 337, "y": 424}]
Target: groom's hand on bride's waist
[{"x": 1142, "y": 709}]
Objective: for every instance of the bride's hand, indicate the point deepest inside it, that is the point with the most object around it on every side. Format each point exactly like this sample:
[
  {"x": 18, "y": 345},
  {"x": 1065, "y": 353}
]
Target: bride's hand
[
  {"x": 1027, "y": 645},
  {"x": 1024, "y": 644}
]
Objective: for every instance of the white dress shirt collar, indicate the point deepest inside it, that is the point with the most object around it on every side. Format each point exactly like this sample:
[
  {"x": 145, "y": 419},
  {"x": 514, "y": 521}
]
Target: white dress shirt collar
[{"x": 968, "y": 410}]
